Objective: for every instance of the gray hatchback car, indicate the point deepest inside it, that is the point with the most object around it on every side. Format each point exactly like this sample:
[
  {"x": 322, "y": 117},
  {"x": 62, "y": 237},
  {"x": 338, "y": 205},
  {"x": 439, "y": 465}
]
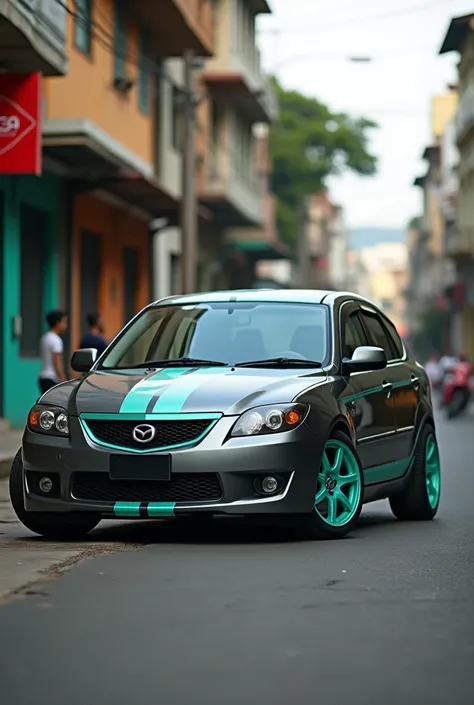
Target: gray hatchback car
[{"x": 294, "y": 405}]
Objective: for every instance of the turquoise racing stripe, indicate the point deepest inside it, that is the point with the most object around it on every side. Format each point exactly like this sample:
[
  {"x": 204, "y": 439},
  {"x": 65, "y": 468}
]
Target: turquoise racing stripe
[
  {"x": 173, "y": 399},
  {"x": 138, "y": 398},
  {"x": 127, "y": 509},
  {"x": 161, "y": 509}
]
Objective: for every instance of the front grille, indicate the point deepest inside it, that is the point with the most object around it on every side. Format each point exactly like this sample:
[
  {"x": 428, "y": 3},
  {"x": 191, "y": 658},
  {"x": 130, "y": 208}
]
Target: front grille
[
  {"x": 185, "y": 487},
  {"x": 167, "y": 433}
]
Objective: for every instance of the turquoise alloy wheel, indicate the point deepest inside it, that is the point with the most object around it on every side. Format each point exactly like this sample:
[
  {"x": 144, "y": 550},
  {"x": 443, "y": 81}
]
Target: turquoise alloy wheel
[
  {"x": 339, "y": 485},
  {"x": 432, "y": 472}
]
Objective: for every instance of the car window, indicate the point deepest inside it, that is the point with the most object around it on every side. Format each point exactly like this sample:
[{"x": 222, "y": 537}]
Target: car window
[
  {"x": 376, "y": 333},
  {"x": 395, "y": 339},
  {"x": 353, "y": 335},
  {"x": 227, "y": 332}
]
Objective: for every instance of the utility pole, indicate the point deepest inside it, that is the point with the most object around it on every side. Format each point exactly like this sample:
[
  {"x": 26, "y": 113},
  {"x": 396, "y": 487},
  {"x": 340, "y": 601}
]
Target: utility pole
[
  {"x": 303, "y": 250},
  {"x": 188, "y": 197}
]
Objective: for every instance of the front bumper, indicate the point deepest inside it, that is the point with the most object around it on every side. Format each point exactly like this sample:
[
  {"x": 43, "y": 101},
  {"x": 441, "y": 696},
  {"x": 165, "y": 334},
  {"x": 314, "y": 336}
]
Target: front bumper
[{"x": 214, "y": 477}]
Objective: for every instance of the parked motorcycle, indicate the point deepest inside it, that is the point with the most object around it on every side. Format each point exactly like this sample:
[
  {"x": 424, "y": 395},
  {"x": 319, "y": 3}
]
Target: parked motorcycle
[{"x": 458, "y": 388}]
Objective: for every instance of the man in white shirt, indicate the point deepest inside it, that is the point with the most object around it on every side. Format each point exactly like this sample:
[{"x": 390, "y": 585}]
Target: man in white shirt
[{"x": 51, "y": 347}]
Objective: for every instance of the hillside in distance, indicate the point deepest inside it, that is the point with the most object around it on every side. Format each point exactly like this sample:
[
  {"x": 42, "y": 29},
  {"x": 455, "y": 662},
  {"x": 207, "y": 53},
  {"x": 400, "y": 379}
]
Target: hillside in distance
[{"x": 368, "y": 237}]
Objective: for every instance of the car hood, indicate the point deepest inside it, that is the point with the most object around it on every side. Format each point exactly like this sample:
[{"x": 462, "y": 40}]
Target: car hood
[{"x": 182, "y": 390}]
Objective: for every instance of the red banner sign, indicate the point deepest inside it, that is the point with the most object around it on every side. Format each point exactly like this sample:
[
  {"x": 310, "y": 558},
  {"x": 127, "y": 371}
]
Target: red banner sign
[{"x": 20, "y": 123}]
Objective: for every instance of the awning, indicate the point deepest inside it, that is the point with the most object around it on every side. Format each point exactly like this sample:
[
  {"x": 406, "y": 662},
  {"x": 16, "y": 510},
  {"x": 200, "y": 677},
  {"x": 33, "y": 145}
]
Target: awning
[
  {"x": 262, "y": 249},
  {"x": 175, "y": 26},
  {"x": 260, "y": 7},
  {"x": 419, "y": 181},
  {"x": 233, "y": 88},
  {"x": 89, "y": 154},
  {"x": 457, "y": 32}
]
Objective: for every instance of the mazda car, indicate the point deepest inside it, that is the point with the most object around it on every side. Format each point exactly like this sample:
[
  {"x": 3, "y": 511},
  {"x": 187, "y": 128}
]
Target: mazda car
[{"x": 288, "y": 405}]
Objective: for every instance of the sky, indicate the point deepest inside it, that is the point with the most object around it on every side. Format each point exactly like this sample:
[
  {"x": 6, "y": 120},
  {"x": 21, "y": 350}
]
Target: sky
[{"x": 307, "y": 42}]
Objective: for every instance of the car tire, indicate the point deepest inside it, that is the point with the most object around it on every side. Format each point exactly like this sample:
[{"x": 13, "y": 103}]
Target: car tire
[
  {"x": 325, "y": 523},
  {"x": 55, "y": 526},
  {"x": 419, "y": 501}
]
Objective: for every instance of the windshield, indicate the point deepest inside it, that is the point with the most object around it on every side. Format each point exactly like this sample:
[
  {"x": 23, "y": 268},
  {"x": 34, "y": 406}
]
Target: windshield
[{"x": 225, "y": 332}]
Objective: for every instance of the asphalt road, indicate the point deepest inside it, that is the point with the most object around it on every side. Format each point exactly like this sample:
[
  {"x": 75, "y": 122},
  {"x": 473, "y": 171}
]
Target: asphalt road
[{"x": 225, "y": 615}]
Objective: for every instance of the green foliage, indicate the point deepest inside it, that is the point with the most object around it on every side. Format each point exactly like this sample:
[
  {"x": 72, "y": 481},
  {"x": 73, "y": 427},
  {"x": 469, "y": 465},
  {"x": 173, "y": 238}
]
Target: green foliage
[{"x": 308, "y": 144}]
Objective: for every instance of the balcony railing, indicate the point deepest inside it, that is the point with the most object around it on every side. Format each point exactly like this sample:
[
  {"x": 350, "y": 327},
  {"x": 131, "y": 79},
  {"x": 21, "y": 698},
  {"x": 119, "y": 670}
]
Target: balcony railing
[
  {"x": 227, "y": 176},
  {"x": 458, "y": 241}
]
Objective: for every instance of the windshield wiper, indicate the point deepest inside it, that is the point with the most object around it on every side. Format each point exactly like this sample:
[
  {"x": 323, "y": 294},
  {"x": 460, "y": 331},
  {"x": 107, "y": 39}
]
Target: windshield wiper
[
  {"x": 280, "y": 362},
  {"x": 182, "y": 362}
]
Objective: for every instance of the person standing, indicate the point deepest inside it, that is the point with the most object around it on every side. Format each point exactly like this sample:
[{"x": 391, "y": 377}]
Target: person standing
[
  {"x": 94, "y": 338},
  {"x": 52, "y": 347}
]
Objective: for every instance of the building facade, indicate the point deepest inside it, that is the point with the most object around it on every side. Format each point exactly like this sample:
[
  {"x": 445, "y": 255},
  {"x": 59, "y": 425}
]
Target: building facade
[
  {"x": 432, "y": 275},
  {"x": 460, "y": 230},
  {"x": 32, "y": 39},
  {"x": 80, "y": 232},
  {"x": 231, "y": 183}
]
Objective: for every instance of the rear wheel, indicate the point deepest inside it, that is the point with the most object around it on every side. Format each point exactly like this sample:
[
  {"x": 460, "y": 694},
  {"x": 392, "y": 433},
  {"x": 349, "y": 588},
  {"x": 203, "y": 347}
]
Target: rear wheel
[
  {"x": 56, "y": 526},
  {"x": 420, "y": 499},
  {"x": 339, "y": 491}
]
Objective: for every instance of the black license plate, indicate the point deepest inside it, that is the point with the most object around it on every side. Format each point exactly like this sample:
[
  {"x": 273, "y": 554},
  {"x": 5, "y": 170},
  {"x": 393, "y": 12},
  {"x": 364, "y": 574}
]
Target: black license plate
[{"x": 131, "y": 467}]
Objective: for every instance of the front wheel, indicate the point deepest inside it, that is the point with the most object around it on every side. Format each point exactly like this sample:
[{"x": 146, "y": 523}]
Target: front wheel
[
  {"x": 69, "y": 526},
  {"x": 339, "y": 491},
  {"x": 419, "y": 501}
]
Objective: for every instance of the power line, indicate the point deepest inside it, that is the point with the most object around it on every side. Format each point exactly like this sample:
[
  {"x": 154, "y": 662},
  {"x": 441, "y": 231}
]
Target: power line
[{"x": 355, "y": 20}]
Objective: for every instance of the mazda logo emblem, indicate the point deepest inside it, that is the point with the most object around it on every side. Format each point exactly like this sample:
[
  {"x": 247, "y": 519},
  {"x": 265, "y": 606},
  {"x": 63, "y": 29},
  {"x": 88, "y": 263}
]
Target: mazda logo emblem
[{"x": 143, "y": 433}]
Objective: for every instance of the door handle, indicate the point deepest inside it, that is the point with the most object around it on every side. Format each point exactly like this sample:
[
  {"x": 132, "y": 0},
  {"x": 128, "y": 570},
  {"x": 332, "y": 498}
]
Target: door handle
[
  {"x": 387, "y": 388},
  {"x": 415, "y": 381}
]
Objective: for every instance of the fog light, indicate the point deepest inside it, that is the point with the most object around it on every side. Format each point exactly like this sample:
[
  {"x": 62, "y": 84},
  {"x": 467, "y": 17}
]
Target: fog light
[
  {"x": 45, "y": 484},
  {"x": 269, "y": 484}
]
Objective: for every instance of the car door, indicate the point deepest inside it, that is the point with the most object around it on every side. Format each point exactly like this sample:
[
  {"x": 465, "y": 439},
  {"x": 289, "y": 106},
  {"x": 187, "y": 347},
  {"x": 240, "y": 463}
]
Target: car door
[
  {"x": 406, "y": 391},
  {"x": 403, "y": 388},
  {"x": 368, "y": 396}
]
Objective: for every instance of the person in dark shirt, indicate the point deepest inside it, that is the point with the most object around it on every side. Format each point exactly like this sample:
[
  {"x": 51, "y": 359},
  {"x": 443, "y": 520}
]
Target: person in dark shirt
[{"x": 94, "y": 337}]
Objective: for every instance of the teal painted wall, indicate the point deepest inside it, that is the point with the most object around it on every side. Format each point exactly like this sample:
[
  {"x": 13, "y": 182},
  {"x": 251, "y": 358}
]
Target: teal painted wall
[{"x": 20, "y": 386}]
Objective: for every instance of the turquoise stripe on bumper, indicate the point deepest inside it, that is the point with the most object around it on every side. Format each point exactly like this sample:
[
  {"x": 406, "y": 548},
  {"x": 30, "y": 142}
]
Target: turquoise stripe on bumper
[
  {"x": 127, "y": 509},
  {"x": 161, "y": 509}
]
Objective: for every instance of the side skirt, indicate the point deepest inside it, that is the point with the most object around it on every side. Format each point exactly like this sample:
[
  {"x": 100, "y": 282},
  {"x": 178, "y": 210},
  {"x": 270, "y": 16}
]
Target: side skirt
[{"x": 385, "y": 488}]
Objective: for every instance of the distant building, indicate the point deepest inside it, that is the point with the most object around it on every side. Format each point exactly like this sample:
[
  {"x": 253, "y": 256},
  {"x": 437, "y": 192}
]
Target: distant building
[
  {"x": 459, "y": 195},
  {"x": 431, "y": 272},
  {"x": 386, "y": 265}
]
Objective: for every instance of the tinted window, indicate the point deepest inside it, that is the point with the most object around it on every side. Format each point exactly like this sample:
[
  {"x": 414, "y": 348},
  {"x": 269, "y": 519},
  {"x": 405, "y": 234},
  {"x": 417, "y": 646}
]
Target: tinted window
[
  {"x": 395, "y": 340},
  {"x": 376, "y": 333},
  {"x": 353, "y": 336},
  {"x": 226, "y": 332}
]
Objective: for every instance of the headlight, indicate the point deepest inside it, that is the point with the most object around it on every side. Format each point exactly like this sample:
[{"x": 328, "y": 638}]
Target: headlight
[
  {"x": 51, "y": 420},
  {"x": 270, "y": 419}
]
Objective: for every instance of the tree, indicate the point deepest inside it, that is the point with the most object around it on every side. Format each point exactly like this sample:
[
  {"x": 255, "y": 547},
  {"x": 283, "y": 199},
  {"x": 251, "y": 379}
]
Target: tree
[{"x": 308, "y": 143}]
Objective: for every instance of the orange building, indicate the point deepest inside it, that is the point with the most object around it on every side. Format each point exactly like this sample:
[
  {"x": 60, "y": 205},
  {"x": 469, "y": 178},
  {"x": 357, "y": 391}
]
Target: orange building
[{"x": 106, "y": 132}]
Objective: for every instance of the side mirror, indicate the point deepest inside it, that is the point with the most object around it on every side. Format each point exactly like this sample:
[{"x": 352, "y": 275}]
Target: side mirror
[
  {"x": 365, "y": 359},
  {"x": 82, "y": 360}
]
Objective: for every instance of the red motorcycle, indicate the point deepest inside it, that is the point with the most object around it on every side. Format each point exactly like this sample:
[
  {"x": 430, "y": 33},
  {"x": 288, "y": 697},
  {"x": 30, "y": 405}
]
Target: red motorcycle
[{"x": 458, "y": 388}]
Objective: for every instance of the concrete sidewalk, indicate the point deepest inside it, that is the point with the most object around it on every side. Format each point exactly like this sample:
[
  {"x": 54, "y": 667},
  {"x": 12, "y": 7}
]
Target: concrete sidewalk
[{"x": 10, "y": 442}]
